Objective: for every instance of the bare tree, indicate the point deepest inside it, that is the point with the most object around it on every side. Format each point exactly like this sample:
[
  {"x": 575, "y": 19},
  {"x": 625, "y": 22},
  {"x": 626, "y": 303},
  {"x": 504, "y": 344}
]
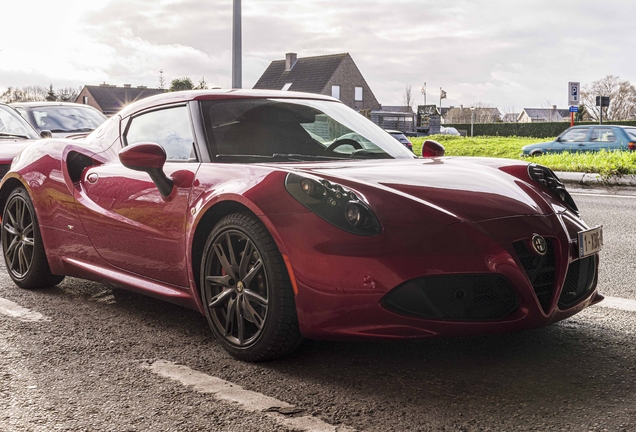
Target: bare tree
[
  {"x": 24, "y": 94},
  {"x": 481, "y": 113},
  {"x": 68, "y": 94},
  {"x": 202, "y": 84},
  {"x": 408, "y": 97},
  {"x": 162, "y": 80},
  {"x": 510, "y": 115},
  {"x": 622, "y": 96}
]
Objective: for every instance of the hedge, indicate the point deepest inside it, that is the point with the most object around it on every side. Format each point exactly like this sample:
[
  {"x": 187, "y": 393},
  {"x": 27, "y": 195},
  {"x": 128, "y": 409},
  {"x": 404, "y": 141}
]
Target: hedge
[{"x": 538, "y": 130}]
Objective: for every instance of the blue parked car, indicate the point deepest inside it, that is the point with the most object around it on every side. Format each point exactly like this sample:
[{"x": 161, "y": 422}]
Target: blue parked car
[{"x": 587, "y": 138}]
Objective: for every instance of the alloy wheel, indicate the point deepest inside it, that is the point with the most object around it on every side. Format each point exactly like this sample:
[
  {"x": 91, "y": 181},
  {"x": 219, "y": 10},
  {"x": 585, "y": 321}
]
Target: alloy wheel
[
  {"x": 18, "y": 238},
  {"x": 236, "y": 289}
]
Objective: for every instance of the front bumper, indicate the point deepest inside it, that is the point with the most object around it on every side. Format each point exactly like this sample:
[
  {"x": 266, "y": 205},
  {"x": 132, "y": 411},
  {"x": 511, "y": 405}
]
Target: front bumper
[{"x": 344, "y": 280}]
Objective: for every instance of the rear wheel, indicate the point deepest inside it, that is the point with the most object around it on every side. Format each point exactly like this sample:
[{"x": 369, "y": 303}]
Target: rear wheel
[
  {"x": 246, "y": 291},
  {"x": 22, "y": 245}
]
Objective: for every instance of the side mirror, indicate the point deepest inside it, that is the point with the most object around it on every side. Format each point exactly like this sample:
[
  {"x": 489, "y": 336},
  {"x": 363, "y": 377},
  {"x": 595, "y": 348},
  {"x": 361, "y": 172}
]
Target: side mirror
[
  {"x": 150, "y": 158},
  {"x": 432, "y": 148},
  {"x": 46, "y": 134},
  {"x": 558, "y": 139}
]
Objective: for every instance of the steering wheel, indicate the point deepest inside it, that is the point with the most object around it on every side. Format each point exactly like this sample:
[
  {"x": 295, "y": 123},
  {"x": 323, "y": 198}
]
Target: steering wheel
[{"x": 344, "y": 141}]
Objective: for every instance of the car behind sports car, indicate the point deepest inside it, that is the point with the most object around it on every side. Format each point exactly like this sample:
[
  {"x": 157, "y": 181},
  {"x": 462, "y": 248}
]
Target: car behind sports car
[
  {"x": 249, "y": 207},
  {"x": 585, "y": 139},
  {"x": 62, "y": 119},
  {"x": 15, "y": 134}
]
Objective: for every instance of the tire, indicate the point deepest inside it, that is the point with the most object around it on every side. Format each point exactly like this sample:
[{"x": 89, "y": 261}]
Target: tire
[
  {"x": 246, "y": 291},
  {"x": 536, "y": 153},
  {"x": 22, "y": 245}
]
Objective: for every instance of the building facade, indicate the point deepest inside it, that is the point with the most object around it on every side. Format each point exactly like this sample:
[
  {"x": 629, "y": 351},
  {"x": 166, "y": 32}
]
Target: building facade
[{"x": 333, "y": 75}]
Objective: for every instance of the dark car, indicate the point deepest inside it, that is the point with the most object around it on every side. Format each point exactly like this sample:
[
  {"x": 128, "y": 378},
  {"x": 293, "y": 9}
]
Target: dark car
[
  {"x": 587, "y": 138},
  {"x": 63, "y": 119},
  {"x": 247, "y": 207},
  {"x": 15, "y": 134},
  {"x": 401, "y": 138}
]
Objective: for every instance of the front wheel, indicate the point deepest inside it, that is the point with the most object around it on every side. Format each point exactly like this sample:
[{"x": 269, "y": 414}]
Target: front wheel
[
  {"x": 246, "y": 291},
  {"x": 22, "y": 245}
]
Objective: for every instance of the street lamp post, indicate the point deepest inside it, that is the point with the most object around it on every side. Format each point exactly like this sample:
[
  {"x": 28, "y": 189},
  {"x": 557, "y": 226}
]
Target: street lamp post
[
  {"x": 472, "y": 119},
  {"x": 237, "y": 67}
]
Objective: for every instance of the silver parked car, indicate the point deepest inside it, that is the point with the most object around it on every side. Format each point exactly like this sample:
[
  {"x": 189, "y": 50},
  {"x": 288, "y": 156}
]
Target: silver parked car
[{"x": 63, "y": 119}]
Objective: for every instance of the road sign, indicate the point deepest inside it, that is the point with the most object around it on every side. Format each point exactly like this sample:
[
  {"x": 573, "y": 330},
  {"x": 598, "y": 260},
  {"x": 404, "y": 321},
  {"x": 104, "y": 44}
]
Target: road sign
[
  {"x": 574, "y": 109},
  {"x": 602, "y": 101},
  {"x": 574, "y": 93}
]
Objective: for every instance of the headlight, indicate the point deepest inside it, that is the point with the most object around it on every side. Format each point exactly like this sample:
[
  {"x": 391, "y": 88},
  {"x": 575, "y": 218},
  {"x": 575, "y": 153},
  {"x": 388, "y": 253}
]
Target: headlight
[
  {"x": 546, "y": 177},
  {"x": 334, "y": 203}
]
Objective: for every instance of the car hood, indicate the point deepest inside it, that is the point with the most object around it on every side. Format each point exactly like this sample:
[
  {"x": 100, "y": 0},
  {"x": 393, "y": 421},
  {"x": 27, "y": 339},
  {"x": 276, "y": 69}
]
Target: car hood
[
  {"x": 538, "y": 145},
  {"x": 452, "y": 189}
]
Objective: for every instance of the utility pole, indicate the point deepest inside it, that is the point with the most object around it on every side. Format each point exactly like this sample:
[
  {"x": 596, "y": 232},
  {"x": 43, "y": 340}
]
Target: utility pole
[{"x": 237, "y": 67}]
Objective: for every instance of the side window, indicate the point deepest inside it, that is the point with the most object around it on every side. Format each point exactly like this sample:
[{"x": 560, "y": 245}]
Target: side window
[
  {"x": 602, "y": 135},
  {"x": 575, "y": 135},
  {"x": 170, "y": 128}
]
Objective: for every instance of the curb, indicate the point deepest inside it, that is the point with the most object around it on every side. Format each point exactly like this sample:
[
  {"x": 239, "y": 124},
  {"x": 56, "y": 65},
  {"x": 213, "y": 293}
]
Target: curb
[{"x": 595, "y": 179}]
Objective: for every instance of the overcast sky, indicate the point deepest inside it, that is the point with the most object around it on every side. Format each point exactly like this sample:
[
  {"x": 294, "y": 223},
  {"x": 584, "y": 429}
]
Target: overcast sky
[{"x": 511, "y": 54}]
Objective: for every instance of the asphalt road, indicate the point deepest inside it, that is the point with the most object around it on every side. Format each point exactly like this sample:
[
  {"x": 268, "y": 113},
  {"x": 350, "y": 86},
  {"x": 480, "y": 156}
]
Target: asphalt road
[{"x": 86, "y": 357}]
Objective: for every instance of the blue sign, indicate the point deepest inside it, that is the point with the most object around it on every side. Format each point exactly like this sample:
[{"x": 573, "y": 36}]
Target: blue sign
[{"x": 574, "y": 109}]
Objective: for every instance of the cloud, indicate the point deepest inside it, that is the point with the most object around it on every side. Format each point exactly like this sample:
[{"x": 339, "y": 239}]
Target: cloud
[{"x": 498, "y": 52}]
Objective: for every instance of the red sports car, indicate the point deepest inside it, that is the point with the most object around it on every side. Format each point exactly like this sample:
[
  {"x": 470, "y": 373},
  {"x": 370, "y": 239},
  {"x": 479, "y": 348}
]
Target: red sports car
[{"x": 249, "y": 207}]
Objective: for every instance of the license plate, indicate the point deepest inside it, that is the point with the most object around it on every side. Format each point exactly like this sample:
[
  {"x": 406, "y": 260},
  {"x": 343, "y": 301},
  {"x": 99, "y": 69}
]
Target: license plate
[{"x": 590, "y": 241}]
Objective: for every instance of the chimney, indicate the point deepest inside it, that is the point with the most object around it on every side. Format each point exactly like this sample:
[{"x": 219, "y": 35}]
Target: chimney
[
  {"x": 290, "y": 61},
  {"x": 127, "y": 85},
  {"x": 554, "y": 107}
]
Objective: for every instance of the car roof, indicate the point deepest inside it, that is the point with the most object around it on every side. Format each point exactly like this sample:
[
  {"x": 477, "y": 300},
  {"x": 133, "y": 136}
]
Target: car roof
[
  {"x": 391, "y": 131},
  {"x": 217, "y": 94},
  {"x": 47, "y": 103},
  {"x": 601, "y": 125}
]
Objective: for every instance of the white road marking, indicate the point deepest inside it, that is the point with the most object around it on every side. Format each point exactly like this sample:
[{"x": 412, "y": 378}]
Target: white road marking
[
  {"x": 603, "y": 195},
  {"x": 619, "y": 303},
  {"x": 14, "y": 310},
  {"x": 248, "y": 400}
]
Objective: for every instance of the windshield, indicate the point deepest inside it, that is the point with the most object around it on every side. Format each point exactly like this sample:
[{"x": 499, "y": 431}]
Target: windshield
[
  {"x": 67, "y": 118},
  {"x": 14, "y": 126},
  {"x": 258, "y": 130}
]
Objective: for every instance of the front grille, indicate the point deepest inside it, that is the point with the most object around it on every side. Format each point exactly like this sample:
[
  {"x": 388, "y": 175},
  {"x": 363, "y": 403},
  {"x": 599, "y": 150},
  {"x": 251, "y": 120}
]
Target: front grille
[
  {"x": 580, "y": 280},
  {"x": 540, "y": 270},
  {"x": 454, "y": 297}
]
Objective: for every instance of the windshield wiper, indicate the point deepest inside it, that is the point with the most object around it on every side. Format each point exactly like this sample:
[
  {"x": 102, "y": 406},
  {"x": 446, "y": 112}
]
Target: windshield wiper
[
  {"x": 301, "y": 157},
  {"x": 72, "y": 130},
  {"x": 4, "y": 134},
  {"x": 277, "y": 157}
]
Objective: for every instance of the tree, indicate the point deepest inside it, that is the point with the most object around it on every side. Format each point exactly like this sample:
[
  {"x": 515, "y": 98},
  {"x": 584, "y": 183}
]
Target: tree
[
  {"x": 481, "y": 113},
  {"x": 68, "y": 94},
  {"x": 581, "y": 114},
  {"x": 50, "y": 95},
  {"x": 24, "y": 94},
  {"x": 622, "y": 96},
  {"x": 202, "y": 84},
  {"x": 162, "y": 80},
  {"x": 408, "y": 97},
  {"x": 179, "y": 84}
]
